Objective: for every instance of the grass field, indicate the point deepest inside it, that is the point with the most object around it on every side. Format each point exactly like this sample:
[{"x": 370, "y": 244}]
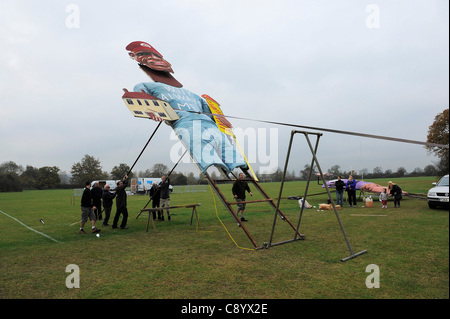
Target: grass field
[{"x": 214, "y": 259}]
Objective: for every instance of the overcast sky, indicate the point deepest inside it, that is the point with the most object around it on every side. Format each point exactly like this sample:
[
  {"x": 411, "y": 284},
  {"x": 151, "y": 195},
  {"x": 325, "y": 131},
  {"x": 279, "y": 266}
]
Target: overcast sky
[{"x": 376, "y": 67}]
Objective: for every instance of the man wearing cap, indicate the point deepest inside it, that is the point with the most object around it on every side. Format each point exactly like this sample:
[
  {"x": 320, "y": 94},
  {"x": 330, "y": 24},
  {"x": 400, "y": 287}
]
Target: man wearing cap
[{"x": 197, "y": 130}]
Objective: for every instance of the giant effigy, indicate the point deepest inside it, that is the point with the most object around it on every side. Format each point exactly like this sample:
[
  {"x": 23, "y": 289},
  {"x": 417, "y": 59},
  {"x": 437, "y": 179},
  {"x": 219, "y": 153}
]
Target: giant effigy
[
  {"x": 206, "y": 134},
  {"x": 187, "y": 113}
]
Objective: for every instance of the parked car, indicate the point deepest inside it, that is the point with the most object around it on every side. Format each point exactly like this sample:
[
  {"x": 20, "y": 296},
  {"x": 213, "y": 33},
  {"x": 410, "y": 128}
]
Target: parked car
[{"x": 438, "y": 195}]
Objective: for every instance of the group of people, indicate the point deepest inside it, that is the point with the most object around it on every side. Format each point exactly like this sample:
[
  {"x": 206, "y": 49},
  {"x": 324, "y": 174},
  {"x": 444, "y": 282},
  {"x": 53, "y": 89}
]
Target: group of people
[
  {"x": 160, "y": 196},
  {"x": 93, "y": 199},
  {"x": 350, "y": 186}
]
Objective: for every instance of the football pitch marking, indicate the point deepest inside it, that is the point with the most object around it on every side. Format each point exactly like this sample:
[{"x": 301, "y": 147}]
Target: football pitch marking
[
  {"x": 26, "y": 226},
  {"x": 367, "y": 215}
]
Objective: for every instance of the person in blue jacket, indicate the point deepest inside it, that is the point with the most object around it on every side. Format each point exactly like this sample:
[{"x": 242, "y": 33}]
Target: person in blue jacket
[
  {"x": 196, "y": 130},
  {"x": 351, "y": 191}
]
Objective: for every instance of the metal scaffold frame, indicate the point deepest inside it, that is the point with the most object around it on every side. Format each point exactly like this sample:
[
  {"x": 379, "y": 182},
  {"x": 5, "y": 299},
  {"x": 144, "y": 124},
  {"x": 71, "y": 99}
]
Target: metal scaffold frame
[{"x": 315, "y": 161}]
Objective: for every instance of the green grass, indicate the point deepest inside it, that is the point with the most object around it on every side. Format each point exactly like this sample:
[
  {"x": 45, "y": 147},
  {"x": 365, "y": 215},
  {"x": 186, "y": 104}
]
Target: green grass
[{"x": 410, "y": 245}]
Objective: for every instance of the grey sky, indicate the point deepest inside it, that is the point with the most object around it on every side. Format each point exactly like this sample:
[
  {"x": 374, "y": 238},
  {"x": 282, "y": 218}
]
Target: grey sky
[{"x": 314, "y": 63}]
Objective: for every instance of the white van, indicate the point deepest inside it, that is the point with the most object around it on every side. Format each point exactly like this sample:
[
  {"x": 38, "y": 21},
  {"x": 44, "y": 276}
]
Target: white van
[{"x": 142, "y": 185}]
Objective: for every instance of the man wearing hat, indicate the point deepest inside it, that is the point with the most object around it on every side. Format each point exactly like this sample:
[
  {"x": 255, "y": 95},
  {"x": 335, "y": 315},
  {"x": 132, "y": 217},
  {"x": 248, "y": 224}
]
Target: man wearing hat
[{"x": 196, "y": 130}]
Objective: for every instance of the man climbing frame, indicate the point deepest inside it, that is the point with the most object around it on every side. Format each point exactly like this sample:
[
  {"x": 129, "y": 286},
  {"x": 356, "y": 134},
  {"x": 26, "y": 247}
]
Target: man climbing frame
[{"x": 239, "y": 188}]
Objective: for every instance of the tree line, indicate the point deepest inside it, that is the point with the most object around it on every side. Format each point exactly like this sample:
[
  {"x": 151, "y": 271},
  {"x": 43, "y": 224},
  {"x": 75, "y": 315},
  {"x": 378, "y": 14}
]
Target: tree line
[{"x": 15, "y": 178}]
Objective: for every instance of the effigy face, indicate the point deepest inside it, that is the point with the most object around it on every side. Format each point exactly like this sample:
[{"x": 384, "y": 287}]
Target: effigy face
[{"x": 146, "y": 55}]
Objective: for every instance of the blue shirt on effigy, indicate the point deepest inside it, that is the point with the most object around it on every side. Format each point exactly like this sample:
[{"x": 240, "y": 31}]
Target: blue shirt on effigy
[{"x": 198, "y": 132}]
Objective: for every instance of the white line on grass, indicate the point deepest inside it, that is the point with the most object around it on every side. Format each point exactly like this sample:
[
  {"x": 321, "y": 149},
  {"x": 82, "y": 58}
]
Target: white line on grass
[
  {"x": 45, "y": 235},
  {"x": 367, "y": 215}
]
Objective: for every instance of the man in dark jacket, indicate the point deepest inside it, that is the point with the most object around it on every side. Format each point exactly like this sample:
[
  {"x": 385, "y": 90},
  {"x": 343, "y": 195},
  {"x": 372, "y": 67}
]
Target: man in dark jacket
[
  {"x": 121, "y": 203},
  {"x": 164, "y": 194},
  {"x": 96, "y": 194},
  {"x": 340, "y": 185},
  {"x": 239, "y": 188},
  {"x": 154, "y": 195},
  {"x": 107, "y": 197},
  {"x": 87, "y": 210}
]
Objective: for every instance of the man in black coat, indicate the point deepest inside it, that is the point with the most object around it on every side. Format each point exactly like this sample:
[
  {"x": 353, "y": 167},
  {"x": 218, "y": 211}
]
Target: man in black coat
[
  {"x": 164, "y": 195},
  {"x": 96, "y": 194},
  {"x": 340, "y": 185},
  {"x": 121, "y": 203},
  {"x": 154, "y": 195},
  {"x": 107, "y": 197},
  {"x": 87, "y": 210}
]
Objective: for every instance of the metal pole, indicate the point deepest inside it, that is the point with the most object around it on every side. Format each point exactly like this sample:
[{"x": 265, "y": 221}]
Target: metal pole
[
  {"x": 144, "y": 148},
  {"x": 281, "y": 188},
  {"x": 309, "y": 178}
]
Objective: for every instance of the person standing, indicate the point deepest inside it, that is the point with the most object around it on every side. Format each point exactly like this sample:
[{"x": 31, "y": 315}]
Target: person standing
[
  {"x": 396, "y": 192},
  {"x": 121, "y": 204},
  {"x": 107, "y": 198},
  {"x": 351, "y": 191},
  {"x": 164, "y": 194},
  {"x": 87, "y": 210},
  {"x": 154, "y": 195},
  {"x": 96, "y": 193},
  {"x": 384, "y": 198},
  {"x": 239, "y": 188},
  {"x": 340, "y": 185}
]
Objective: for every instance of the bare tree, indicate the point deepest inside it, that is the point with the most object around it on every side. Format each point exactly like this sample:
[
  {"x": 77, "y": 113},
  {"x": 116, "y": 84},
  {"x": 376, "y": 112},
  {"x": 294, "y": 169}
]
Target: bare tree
[{"x": 438, "y": 133}]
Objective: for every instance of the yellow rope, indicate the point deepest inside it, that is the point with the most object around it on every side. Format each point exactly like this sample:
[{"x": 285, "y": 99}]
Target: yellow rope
[{"x": 217, "y": 214}]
